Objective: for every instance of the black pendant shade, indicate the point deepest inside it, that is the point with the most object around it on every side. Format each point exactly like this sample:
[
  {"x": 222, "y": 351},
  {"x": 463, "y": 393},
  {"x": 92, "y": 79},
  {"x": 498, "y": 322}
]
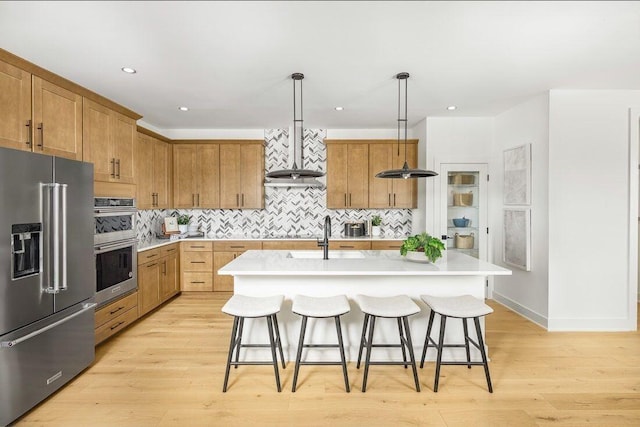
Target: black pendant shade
[
  {"x": 295, "y": 173},
  {"x": 406, "y": 172}
]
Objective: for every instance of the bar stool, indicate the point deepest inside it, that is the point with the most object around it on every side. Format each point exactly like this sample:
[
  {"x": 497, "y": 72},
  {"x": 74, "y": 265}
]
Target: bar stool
[
  {"x": 241, "y": 307},
  {"x": 399, "y": 307},
  {"x": 463, "y": 307},
  {"x": 324, "y": 307}
]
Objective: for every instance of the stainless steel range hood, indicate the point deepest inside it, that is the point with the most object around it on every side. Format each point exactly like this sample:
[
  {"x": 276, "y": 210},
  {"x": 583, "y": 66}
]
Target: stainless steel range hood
[{"x": 293, "y": 183}]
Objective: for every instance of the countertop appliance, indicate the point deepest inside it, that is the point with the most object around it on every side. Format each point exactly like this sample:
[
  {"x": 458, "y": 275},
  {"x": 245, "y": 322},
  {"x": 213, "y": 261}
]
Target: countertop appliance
[
  {"x": 47, "y": 277},
  {"x": 355, "y": 229}
]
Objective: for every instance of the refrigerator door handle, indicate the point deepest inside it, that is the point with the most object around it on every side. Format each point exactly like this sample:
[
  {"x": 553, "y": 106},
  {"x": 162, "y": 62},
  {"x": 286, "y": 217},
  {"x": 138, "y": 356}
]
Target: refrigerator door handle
[
  {"x": 63, "y": 235},
  {"x": 57, "y": 237},
  {"x": 12, "y": 343}
]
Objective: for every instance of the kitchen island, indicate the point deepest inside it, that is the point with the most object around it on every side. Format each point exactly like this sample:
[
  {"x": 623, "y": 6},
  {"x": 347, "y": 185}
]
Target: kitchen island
[{"x": 375, "y": 273}]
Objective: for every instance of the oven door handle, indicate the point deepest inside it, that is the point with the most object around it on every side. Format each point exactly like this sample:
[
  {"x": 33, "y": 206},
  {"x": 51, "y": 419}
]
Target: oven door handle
[{"x": 116, "y": 245}]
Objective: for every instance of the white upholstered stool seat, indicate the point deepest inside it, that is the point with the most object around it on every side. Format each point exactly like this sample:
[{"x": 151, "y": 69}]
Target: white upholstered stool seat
[
  {"x": 245, "y": 306},
  {"x": 396, "y": 306},
  {"x": 458, "y": 306},
  {"x": 320, "y": 307},
  {"x": 399, "y": 307}
]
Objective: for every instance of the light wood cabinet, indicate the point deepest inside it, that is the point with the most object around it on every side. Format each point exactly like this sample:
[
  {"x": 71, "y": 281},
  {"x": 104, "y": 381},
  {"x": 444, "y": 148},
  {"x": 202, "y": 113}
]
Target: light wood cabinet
[
  {"x": 153, "y": 173},
  {"x": 392, "y": 193},
  {"x": 196, "y": 175},
  {"x": 242, "y": 175},
  {"x": 223, "y": 253},
  {"x": 115, "y": 316},
  {"x": 109, "y": 143},
  {"x": 196, "y": 266},
  {"x": 358, "y": 245},
  {"x": 347, "y": 175},
  {"x": 386, "y": 245},
  {"x": 157, "y": 277},
  {"x": 148, "y": 287},
  {"x": 15, "y": 108}
]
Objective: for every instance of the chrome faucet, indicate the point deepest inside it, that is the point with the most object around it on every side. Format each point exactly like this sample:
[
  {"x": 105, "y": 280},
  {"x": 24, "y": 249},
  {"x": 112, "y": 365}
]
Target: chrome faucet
[{"x": 324, "y": 244}]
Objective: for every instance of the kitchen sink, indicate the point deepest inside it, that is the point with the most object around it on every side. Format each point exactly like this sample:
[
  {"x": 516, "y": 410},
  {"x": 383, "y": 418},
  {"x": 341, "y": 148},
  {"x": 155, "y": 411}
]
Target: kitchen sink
[{"x": 332, "y": 254}]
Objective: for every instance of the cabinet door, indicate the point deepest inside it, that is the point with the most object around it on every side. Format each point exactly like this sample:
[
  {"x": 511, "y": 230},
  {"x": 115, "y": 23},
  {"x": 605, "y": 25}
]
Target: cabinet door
[
  {"x": 252, "y": 176},
  {"x": 358, "y": 176},
  {"x": 208, "y": 181},
  {"x": 97, "y": 137},
  {"x": 57, "y": 116},
  {"x": 337, "y": 176},
  {"x": 148, "y": 286},
  {"x": 145, "y": 171},
  {"x": 15, "y": 107},
  {"x": 161, "y": 173},
  {"x": 170, "y": 281},
  {"x": 380, "y": 189},
  {"x": 230, "y": 181},
  {"x": 405, "y": 191},
  {"x": 222, "y": 283},
  {"x": 184, "y": 175},
  {"x": 123, "y": 142}
]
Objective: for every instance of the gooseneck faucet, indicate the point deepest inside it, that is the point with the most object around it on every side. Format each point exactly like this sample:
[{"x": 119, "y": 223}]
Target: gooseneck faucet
[{"x": 324, "y": 244}]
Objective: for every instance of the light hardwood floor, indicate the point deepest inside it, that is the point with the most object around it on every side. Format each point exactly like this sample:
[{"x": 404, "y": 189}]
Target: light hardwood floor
[{"x": 167, "y": 370}]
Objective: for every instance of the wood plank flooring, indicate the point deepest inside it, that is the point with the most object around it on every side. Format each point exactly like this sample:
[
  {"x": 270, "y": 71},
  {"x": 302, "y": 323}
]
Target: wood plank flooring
[{"x": 167, "y": 370}]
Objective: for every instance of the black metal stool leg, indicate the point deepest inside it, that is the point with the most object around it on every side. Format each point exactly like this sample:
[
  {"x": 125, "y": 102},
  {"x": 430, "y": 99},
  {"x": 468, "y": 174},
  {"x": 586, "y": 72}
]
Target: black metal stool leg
[
  {"x": 466, "y": 341},
  {"x": 404, "y": 353},
  {"x": 230, "y": 355},
  {"x": 426, "y": 339},
  {"x": 411, "y": 355},
  {"x": 278, "y": 342},
  {"x": 364, "y": 330},
  {"x": 239, "y": 345},
  {"x": 342, "y": 357},
  {"x": 303, "y": 328},
  {"x": 443, "y": 321},
  {"x": 368, "y": 358},
  {"x": 483, "y": 353},
  {"x": 272, "y": 341}
]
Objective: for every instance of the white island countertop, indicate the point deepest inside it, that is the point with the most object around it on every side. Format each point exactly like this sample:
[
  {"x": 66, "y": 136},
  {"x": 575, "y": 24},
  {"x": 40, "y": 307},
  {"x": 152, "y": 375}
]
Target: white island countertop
[{"x": 372, "y": 263}]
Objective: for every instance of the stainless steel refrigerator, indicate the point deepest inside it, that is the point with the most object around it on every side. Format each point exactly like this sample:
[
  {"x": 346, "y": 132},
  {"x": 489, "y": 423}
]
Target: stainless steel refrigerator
[{"x": 47, "y": 277}]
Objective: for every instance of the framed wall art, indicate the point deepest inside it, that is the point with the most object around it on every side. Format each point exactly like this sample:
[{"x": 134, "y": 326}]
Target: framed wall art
[
  {"x": 517, "y": 175},
  {"x": 516, "y": 250}
]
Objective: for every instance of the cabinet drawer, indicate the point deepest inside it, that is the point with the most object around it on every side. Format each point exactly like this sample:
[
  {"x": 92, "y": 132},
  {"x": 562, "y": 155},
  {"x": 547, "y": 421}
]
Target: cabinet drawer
[
  {"x": 150, "y": 255},
  {"x": 169, "y": 249},
  {"x": 290, "y": 245},
  {"x": 115, "y": 309},
  {"x": 197, "y": 261},
  {"x": 197, "y": 246},
  {"x": 349, "y": 244},
  {"x": 384, "y": 245},
  {"x": 197, "y": 282},
  {"x": 116, "y": 324},
  {"x": 236, "y": 246}
]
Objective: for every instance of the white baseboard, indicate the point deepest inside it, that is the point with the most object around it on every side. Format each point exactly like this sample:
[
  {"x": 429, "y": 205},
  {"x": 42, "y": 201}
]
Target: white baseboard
[{"x": 528, "y": 314}]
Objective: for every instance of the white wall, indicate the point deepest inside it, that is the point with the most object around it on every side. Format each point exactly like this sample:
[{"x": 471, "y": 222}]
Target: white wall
[
  {"x": 589, "y": 210},
  {"x": 419, "y": 215},
  {"x": 525, "y": 291}
]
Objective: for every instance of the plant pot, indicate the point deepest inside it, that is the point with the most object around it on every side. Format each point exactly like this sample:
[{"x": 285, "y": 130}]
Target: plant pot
[
  {"x": 417, "y": 257},
  {"x": 375, "y": 230},
  {"x": 183, "y": 228}
]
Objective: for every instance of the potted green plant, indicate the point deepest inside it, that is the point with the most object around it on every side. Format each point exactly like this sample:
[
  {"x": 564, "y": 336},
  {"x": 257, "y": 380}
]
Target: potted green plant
[
  {"x": 183, "y": 223},
  {"x": 422, "y": 247},
  {"x": 376, "y": 220}
]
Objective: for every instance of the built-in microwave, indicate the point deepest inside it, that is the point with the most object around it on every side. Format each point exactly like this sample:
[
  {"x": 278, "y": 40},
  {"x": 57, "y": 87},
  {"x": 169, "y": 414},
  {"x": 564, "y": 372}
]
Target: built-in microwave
[{"x": 114, "y": 219}]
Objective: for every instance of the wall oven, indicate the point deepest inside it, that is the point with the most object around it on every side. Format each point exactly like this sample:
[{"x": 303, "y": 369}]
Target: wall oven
[{"x": 115, "y": 248}]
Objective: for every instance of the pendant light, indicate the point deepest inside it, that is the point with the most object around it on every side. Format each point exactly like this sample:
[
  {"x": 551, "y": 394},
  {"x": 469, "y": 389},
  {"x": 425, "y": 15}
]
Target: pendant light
[
  {"x": 405, "y": 172},
  {"x": 295, "y": 173}
]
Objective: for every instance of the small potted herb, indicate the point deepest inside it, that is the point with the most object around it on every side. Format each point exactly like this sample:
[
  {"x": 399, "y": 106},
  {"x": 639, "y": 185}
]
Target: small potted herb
[
  {"x": 376, "y": 220},
  {"x": 422, "y": 248},
  {"x": 183, "y": 223}
]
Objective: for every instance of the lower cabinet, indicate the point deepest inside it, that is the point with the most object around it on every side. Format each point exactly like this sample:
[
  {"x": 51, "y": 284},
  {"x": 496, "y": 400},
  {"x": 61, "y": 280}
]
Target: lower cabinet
[
  {"x": 116, "y": 316},
  {"x": 196, "y": 266},
  {"x": 223, "y": 253},
  {"x": 157, "y": 279},
  {"x": 342, "y": 245},
  {"x": 386, "y": 245}
]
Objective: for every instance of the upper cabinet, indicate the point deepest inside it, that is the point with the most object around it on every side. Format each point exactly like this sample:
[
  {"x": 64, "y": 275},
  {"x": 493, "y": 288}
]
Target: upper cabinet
[
  {"x": 153, "y": 173},
  {"x": 37, "y": 115},
  {"x": 196, "y": 176},
  {"x": 347, "y": 175},
  {"x": 392, "y": 193},
  {"x": 109, "y": 143},
  {"x": 242, "y": 175}
]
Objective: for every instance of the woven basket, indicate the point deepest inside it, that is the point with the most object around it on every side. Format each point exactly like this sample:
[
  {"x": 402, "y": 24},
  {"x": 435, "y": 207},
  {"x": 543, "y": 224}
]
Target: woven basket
[
  {"x": 462, "y": 241},
  {"x": 460, "y": 178},
  {"x": 463, "y": 199}
]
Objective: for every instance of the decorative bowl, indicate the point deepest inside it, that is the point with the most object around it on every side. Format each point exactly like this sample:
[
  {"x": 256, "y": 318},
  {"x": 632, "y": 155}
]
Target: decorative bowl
[{"x": 461, "y": 222}]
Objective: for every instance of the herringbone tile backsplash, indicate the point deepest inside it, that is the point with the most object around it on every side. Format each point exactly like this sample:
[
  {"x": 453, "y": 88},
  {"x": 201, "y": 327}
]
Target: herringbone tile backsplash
[{"x": 287, "y": 212}]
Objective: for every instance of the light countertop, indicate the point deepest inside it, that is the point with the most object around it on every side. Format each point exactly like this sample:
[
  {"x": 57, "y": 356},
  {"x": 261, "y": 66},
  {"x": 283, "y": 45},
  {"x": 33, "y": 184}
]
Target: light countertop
[{"x": 373, "y": 263}]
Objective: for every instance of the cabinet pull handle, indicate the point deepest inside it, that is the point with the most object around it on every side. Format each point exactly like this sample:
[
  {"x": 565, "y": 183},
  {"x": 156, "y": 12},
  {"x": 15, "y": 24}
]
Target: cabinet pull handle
[
  {"x": 196, "y": 247},
  {"x": 152, "y": 265},
  {"x": 28, "y": 125},
  {"x": 234, "y": 256},
  {"x": 164, "y": 267},
  {"x": 41, "y": 129},
  {"x": 113, "y": 168},
  {"x": 173, "y": 249},
  {"x": 389, "y": 199},
  {"x": 394, "y": 199},
  {"x": 196, "y": 262},
  {"x": 117, "y": 325},
  {"x": 237, "y": 247},
  {"x": 237, "y": 199},
  {"x": 345, "y": 199},
  {"x": 200, "y": 281},
  {"x": 116, "y": 310},
  {"x": 118, "y": 164},
  {"x": 198, "y": 200},
  {"x": 349, "y": 199},
  {"x": 151, "y": 256},
  {"x": 346, "y": 247}
]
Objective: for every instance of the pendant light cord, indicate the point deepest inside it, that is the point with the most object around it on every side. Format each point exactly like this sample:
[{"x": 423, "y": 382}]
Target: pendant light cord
[{"x": 406, "y": 96}]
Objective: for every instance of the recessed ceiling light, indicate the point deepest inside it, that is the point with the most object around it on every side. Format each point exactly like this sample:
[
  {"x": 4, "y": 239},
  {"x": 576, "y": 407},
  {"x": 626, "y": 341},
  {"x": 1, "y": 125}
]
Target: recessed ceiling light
[
  {"x": 339, "y": 108},
  {"x": 451, "y": 107},
  {"x": 183, "y": 108},
  {"x": 128, "y": 70}
]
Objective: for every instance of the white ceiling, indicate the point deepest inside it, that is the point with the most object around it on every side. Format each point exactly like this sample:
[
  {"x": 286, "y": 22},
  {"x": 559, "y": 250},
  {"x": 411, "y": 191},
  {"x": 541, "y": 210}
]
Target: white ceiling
[{"x": 231, "y": 62}]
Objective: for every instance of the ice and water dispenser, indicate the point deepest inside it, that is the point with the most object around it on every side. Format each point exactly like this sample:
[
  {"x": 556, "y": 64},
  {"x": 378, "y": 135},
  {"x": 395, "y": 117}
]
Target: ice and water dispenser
[{"x": 25, "y": 250}]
